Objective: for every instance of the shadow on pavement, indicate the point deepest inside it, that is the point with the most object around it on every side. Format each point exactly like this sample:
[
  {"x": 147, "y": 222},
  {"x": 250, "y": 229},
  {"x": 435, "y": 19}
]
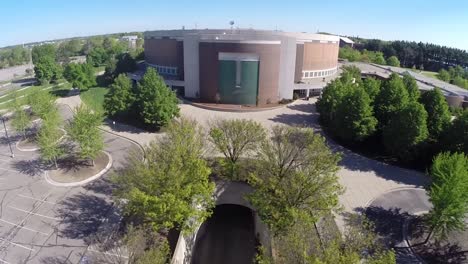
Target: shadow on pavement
[
  {"x": 32, "y": 168},
  {"x": 82, "y": 216}
]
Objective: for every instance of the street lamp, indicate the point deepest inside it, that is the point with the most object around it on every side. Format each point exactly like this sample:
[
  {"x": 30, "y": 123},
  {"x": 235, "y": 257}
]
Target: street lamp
[{"x": 8, "y": 138}]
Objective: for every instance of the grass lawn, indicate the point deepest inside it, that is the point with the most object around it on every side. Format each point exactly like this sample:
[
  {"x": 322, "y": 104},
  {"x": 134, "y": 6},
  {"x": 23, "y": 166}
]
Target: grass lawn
[
  {"x": 59, "y": 90},
  {"x": 429, "y": 74},
  {"x": 94, "y": 98}
]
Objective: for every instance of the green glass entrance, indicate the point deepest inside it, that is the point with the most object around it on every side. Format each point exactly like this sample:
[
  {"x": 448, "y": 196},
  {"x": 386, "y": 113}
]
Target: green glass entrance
[{"x": 238, "y": 82}]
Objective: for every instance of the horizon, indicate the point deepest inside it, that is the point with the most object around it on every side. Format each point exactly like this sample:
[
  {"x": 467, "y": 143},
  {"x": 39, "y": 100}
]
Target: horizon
[{"x": 418, "y": 21}]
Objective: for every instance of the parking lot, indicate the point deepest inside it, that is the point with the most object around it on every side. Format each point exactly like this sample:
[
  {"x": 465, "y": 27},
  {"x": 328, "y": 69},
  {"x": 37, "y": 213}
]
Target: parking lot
[{"x": 41, "y": 223}]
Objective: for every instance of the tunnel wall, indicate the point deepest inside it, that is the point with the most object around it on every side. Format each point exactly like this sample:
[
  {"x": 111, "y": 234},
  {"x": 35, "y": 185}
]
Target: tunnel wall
[{"x": 226, "y": 192}]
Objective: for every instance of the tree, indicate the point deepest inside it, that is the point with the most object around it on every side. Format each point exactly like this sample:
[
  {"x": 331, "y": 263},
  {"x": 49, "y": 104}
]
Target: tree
[
  {"x": 393, "y": 61},
  {"x": 295, "y": 179},
  {"x": 331, "y": 98},
  {"x": 125, "y": 63},
  {"x": 42, "y": 52},
  {"x": 412, "y": 87},
  {"x": 145, "y": 246},
  {"x": 157, "y": 103},
  {"x": 42, "y": 103},
  {"x": 392, "y": 98},
  {"x": 49, "y": 136},
  {"x": 372, "y": 87},
  {"x": 172, "y": 186},
  {"x": 460, "y": 82},
  {"x": 21, "y": 120},
  {"x": 443, "y": 75},
  {"x": 234, "y": 139},
  {"x": 47, "y": 70},
  {"x": 84, "y": 130},
  {"x": 406, "y": 130},
  {"x": 379, "y": 58},
  {"x": 97, "y": 56},
  {"x": 354, "y": 116},
  {"x": 80, "y": 75},
  {"x": 448, "y": 194},
  {"x": 455, "y": 137},
  {"x": 438, "y": 113},
  {"x": 120, "y": 97},
  {"x": 359, "y": 244}
]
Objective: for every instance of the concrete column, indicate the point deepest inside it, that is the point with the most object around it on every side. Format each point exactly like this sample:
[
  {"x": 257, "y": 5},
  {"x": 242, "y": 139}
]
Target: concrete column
[
  {"x": 191, "y": 66},
  {"x": 287, "y": 67}
]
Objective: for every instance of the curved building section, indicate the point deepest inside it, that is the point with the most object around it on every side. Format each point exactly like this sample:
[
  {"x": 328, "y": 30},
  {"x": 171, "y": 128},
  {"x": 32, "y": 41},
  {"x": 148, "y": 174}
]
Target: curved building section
[{"x": 246, "y": 67}]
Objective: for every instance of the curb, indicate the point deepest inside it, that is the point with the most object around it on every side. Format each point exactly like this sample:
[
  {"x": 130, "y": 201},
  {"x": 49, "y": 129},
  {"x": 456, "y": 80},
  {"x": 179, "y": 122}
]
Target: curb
[
  {"x": 36, "y": 149},
  {"x": 115, "y": 134},
  {"x": 392, "y": 190},
  {"x": 233, "y": 110},
  {"x": 92, "y": 178}
]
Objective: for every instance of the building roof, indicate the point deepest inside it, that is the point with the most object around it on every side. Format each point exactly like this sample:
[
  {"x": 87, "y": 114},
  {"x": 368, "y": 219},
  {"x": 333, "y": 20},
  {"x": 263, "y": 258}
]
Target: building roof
[
  {"x": 240, "y": 35},
  {"x": 346, "y": 40}
]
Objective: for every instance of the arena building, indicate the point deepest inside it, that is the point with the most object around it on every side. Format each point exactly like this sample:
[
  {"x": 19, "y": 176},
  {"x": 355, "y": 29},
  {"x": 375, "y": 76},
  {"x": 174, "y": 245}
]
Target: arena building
[{"x": 237, "y": 66}]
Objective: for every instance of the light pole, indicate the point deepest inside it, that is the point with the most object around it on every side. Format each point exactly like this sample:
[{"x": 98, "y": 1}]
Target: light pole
[{"x": 8, "y": 138}]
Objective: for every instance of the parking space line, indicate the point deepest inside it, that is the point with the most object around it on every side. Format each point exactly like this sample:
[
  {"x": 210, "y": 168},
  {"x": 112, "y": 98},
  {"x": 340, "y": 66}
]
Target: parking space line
[
  {"x": 32, "y": 198},
  {"x": 29, "y": 212},
  {"x": 16, "y": 244},
  {"x": 23, "y": 227}
]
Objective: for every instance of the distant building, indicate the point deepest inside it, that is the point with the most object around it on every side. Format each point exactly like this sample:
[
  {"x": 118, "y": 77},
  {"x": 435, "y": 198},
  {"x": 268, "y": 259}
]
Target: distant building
[
  {"x": 344, "y": 41},
  {"x": 131, "y": 41},
  {"x": 242, "y": 66}
]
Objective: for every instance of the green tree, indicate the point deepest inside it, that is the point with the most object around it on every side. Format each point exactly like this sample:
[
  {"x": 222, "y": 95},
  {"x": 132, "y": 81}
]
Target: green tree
[
  {"x": 412, "y": 87},
  {"x": 460, "y": 82},
  {"x": 393, "y": 61},
  {"x": 84, "y": 130},
  {"x": 21, "y": 121},
  {"x": 438, "y": 113},
  {"x": 372, "y": 87},
  {"x": 125, "y": 63},
  {"x": 448, "y": 194},
  {"x": 295, "y": 179},
  {"x": 455, "y": 137},
  {"x": 443, "y": 75},
  {"x": 354, "y": 116},
  {"x": 120, "y": 97},
  {"x": 172, "y": 186},
  {"x": 42, "y": 52},
  {"x": 42, "y": 103},
  {"x": 349, "y": 54},
  {"x": 145, "y": 246},
  {"x": 379, "y": 58},
  {"x": 392, "y": 98},
  {"x": 330, "y": 100},
  {"x": 406, "y": 130},
  {"x": 157, "y": 103},
  {"x": 80, "y": 75},
  {"x": 48, "y": 138},
  {"x": 47, "y": 70},
  {"x": 234, "y": 139},
  {"x": 98, "y": 56}
]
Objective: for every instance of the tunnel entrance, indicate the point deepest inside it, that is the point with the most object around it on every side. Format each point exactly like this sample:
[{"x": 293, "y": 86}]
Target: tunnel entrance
[{"x": 228, "y": 236}]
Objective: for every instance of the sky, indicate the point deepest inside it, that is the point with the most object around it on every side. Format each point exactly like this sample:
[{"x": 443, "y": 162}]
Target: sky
[{"x": 443, "y": 22}]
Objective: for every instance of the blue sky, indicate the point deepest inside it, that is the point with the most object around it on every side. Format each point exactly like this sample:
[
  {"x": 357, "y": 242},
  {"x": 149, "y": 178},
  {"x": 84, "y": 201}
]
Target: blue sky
[{"x": 436, "y": 21}]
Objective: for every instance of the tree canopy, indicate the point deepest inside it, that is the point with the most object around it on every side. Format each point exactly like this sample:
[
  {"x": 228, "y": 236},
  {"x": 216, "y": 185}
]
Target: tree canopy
[
  {"x": 163, "y": 190},
  {"x": 156, "y": 102},
  {"x": 80, "y": 75},
  {"x": 120, "y": 97},
  {"x": 295, "y": 179},
  {"x": 439, "y": 116},
  {"x": 393, "y": 97},
  {"x": 448, "y": 193}
]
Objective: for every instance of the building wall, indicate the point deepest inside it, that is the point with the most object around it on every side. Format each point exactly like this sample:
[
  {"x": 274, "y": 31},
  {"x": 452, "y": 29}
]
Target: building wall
[
  {"x": 166, "y": 52},
  {"x": 269, "y": 68},
  {"x": 320, "y": 56},
  {"x": 299, "y": 62}
]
